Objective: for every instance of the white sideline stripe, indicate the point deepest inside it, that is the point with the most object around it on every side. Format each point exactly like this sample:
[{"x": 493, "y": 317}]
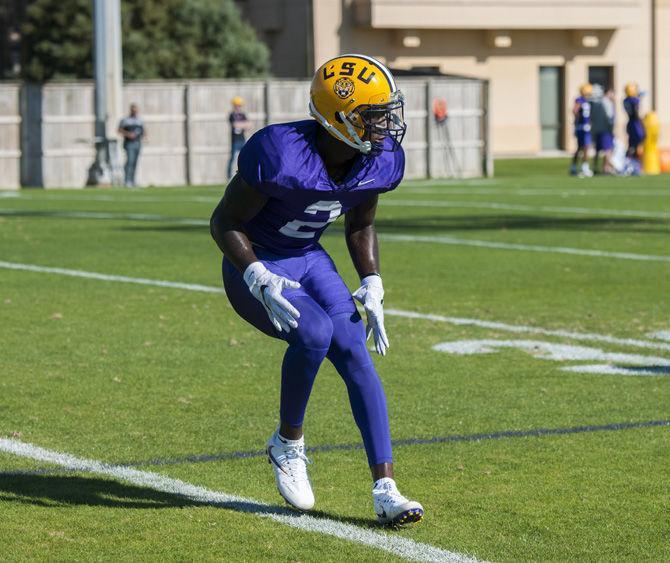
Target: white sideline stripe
[
  {"x": 392, "y": 202},
  {"x": 106, "y": 215},
  {"x": 516, "y": 207},
  {"x": 445, "y": 190},
  {"x": 520, "y": 329},
  {"x": 108, "y": 277},
  {"x": 438, "y": 239},
  {"x": 397, "y": 545},
  {"x": 445, "y": 239},
  {"x": 136, "y": 199},
  {"x": 661, "y": 335},
  {"x": 458, "y": 321}
]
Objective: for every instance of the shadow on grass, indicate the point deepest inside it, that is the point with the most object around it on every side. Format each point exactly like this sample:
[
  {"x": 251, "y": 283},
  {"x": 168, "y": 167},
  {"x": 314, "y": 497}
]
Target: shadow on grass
[
  {"x": 70, "y": 490},
  {"x": 441, "y": 224},
  {"x": 59, "y": 490},
  {"x": 430, "y": 223}
]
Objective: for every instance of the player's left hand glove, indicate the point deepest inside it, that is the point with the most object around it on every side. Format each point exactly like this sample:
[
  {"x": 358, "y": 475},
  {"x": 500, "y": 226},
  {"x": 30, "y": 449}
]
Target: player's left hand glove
[{"x": 371, "y": 296}]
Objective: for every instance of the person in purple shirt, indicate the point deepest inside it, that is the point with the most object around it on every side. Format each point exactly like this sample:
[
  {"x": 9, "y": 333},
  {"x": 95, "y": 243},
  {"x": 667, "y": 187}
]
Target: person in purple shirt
[
  {"x": 238, "y": 126},
  {"x": 634, "y": 127},
  {"x": 581, "y": 111},
  {"x": 293, "y": 180}
]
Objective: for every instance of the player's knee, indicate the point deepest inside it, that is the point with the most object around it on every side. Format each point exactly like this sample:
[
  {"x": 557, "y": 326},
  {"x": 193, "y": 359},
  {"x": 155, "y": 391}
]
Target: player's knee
[
  {"x": 348, "y": 351},
  {"x": 315, "y": 330}
]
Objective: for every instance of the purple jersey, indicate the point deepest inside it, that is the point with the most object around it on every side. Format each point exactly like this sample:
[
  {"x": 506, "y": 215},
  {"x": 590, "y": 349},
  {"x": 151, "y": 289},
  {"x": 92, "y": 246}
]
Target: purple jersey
[
  {"x": 583, "y": 117},
  {"x": 282, "y": 162},
  {"x": 631, "y": 106}
]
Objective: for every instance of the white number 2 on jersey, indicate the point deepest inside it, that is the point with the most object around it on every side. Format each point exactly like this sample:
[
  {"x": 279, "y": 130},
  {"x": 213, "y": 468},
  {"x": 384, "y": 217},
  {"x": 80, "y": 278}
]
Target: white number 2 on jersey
[{"x": 292, "y": 228}]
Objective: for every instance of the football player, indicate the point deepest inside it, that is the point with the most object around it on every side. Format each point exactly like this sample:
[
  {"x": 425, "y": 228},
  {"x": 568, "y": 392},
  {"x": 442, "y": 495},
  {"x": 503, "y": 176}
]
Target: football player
[
  {"x": 581, "y": 111},
  {"x": 634, "y": 128},
  {"x": 602, "y": 128},
  {"x": 293, "y": 180}
]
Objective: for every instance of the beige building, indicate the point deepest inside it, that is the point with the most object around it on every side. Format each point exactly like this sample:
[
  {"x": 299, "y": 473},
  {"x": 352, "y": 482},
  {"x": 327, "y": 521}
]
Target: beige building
[{"x": 535, "y": 53}]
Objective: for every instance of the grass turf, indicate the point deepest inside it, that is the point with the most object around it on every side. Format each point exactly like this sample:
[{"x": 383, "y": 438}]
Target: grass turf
[{"x": 122, "y": 372}]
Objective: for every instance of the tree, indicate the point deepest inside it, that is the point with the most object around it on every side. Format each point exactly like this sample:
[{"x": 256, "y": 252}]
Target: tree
[
  {"x": 189, "y": 39},
  {"x": 56, "y": 40},
  {"x": 161, "y": 39}
]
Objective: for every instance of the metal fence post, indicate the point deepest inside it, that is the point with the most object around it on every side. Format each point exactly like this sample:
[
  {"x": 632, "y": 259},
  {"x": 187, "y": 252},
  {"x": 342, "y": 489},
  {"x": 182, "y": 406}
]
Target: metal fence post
[
  {"x": 487, "y": 159},
  {"x": 266, "y": 102},
  {"x": 430, "y": 172},
  {"x": 188, "y": 163}
]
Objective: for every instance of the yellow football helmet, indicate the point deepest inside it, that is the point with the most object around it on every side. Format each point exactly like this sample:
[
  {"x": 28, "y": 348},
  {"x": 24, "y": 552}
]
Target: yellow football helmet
[
  {"x": 631, "y": 90},
  {"x": 586, "y": 90},
  {"x": 357, "y": 101}
]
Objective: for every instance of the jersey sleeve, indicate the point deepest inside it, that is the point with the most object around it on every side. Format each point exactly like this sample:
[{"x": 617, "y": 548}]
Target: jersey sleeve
[
  {"x": 397, "y": 170},
  {"x": 260, "y": 164}
]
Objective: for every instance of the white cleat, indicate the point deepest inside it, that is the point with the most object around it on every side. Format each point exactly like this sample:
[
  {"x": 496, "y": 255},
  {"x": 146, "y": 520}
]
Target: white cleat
[
  {"x": 393, "y": 508},
  {"x": 289, "y": 463}
]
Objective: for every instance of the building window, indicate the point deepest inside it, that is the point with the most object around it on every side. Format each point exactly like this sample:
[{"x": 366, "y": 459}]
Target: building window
[
  {"x": 602, "y": 75},
  {"x": 551, "y": 107}
]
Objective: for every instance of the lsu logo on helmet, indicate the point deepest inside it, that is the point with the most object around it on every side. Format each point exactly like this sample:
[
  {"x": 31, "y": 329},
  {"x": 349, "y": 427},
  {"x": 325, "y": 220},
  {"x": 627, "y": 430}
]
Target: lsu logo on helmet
[
  {"x": 344, "y": 87},
  {"x": 357, "y": 101}
]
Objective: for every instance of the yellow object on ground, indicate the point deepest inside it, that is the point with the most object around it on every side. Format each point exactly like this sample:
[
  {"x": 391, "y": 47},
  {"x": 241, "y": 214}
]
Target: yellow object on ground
[{"x": 651, "y": 158}]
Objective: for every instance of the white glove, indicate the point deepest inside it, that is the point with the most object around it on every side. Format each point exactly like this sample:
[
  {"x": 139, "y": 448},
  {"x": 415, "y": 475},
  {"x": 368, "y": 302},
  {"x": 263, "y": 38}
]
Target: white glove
[
  {"x": 267, "y": 287},
  {"x": 371, "y": 296}
]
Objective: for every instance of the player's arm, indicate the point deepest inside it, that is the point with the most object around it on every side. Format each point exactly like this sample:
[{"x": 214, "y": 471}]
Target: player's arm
[
  {"x": 362, "y": 237},
  {"x": 364, "y": 250},
  {"x": 241, "y": 203}
]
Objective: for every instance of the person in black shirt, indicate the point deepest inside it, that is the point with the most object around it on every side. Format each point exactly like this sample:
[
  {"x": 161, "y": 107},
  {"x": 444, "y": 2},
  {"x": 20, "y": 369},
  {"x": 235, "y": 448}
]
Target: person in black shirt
[
  {"x": 132, "y": 130},
  {"x": 238, "y": 125}
]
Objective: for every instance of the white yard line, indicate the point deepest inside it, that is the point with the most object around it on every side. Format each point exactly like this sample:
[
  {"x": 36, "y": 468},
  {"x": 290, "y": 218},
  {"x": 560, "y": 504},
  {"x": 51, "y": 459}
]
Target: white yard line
[
  {"x": 458, "y": 321},
  {"x": 533, "y": 208},
  {"x": 437, "y": 239},
  {"x": 395, "y": 544},
  {"x": 105, "y": 215},
  {"x": 633, "y": 194},
  {"x": 124, "y": 198},
  {"x": 523, "y": 329},
  {"x": 108, "y": 277},
  {"x": 445, "y": 239}
]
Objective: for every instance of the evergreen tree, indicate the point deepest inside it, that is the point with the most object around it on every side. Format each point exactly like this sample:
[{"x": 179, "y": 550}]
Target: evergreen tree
[
  {"x": 56, "y": 40},
  {"x": 161, "y": 39}
]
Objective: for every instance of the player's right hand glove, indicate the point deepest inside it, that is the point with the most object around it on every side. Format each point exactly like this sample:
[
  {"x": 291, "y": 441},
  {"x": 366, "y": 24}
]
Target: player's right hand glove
[
  {"x": 371, "y": 296},
  {"x": 267, "y": 287}
]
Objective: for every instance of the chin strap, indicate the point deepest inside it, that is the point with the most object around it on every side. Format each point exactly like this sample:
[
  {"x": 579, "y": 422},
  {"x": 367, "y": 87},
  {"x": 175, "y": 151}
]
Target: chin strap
[{"x": 363, "y": 146}]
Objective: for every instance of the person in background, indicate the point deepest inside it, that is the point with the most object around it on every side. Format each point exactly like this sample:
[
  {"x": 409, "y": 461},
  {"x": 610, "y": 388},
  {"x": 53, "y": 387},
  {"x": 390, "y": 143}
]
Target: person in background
[
  {"x": 602, "y": 128},
  {"x": 238, "y": 125},
  {"x": 131, "y": 128},
  {"x": 582, "y": 114},
  {"x": 634, "y": 128}
]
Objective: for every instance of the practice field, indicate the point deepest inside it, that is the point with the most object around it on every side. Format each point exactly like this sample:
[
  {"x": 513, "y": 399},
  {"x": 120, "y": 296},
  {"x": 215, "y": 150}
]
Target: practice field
[{"x": 528, "y": 379}]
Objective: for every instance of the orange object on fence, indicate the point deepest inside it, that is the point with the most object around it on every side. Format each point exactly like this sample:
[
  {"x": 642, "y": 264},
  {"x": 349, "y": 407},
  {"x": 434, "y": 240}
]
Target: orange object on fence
[{"x": 440, "y": 109}]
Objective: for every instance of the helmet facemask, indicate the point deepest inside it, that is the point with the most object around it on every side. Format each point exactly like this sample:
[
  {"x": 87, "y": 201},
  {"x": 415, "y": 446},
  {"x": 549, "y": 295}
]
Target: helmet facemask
[{"x": 374, "y": 123}]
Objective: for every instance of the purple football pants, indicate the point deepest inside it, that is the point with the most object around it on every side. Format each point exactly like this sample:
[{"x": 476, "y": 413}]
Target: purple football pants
[{"x": 329, "y": 327}]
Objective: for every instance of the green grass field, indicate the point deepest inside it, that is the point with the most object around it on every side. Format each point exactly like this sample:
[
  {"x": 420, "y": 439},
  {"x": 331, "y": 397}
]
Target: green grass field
[{"x": 514, "y": 457}]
